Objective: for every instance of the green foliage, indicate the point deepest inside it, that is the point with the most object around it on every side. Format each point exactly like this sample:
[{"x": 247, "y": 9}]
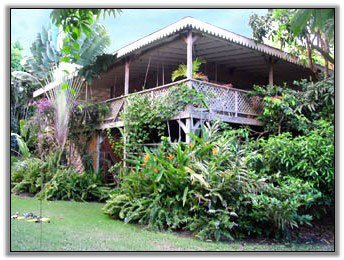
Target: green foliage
[
  {"x": 309, "y": 157},
  {"x": 24, "y": 176},
  {"x": 21, "y": 92},
  {"x": 182, "y": 70},
  {"x": 207, "y": 188},
  {"x": 29, "y": 174},
  {"x": 91, "y": 46},
  {"x": 100, "y": 64},
  {"x": 77, "y": 23},
  {"x": 23, "y": 149},
  {"x": 86, "y": 117},
  {"x": 16, "y": 56},
  {"x": 281, "y": 205},
  {"x": 260, "y": 26},
  {"x": 288, "y": 110},
  {"x": 69, "y": 185},
  {"x": 281, "y": 109},
  {"x": 48, "y": 180},
  {"x": 143, "y": 116},
  {"x": 116, "y": 145},
  {"x": 307, "y": 33},
  {"x": 317, "y": 98},
  {"x": 317, "y": 19},
  {"x": 44, "y": 55}
]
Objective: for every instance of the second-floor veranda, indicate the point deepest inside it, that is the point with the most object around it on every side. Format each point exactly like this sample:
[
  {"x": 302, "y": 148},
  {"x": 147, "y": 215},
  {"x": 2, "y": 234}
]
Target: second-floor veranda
[{"x": 146, "y": 67}]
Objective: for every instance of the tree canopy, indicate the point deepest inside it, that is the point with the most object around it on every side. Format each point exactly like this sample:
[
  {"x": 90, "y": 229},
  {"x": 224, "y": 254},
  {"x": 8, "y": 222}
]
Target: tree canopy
[
  {"x": 76, "y": 23},
  {"x": 307, "y": 33}
]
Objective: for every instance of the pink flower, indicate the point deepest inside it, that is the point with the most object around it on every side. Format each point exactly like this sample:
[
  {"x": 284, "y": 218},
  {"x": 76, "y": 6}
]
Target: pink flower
[{"x": 43, "y": 104}]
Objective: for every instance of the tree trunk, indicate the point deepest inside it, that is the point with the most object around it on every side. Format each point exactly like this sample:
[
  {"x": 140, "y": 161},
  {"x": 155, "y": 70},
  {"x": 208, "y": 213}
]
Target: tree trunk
[{"x": 309, "y": 56}]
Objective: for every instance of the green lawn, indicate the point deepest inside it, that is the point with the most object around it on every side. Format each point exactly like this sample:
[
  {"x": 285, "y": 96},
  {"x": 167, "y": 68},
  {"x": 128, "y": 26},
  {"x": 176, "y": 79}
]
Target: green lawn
[{"x": 79, "y": 226}]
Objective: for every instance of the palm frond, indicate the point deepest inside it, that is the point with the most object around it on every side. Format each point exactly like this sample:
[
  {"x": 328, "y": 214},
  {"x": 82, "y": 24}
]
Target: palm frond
[{"x": 181, "y": 71}]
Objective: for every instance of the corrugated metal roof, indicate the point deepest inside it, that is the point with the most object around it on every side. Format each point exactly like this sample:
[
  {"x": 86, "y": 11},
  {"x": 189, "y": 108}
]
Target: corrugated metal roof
[{"x": 209, "y": 29}]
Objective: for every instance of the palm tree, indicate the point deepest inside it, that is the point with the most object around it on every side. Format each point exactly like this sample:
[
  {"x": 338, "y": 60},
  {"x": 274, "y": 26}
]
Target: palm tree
[
  {"x": 92, "y": 45},
  {"x": 44, "y": 68},
  {"x": 46, "y": 56},
  {"x": 182, "y": 70}
]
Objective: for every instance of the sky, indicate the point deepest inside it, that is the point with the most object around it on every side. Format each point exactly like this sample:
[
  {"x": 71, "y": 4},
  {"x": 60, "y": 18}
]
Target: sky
[{"x": 132, "y": 24}]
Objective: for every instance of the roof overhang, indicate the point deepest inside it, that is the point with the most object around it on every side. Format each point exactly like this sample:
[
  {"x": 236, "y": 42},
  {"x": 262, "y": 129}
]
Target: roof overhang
[{"x": 205, "y": 28}]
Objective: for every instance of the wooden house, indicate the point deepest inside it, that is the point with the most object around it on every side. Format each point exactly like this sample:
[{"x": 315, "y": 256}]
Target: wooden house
[{"x": 233, "y": 64}]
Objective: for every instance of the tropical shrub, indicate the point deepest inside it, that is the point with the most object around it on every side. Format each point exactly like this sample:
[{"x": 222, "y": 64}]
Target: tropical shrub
[
  {"x": 69, "y": 185},
  {"x": 49, "y": 180},
  {"x": 281, "y": 109},
  {"x": 308, "y": 157},
  {"x": 25, "y": 176},
  {"x": 282, "y": 205},
  {"x": 290, "y": 110},
  {"x": 87, "y": 116},
  {"x": 29, "y": 174},
  {"x": 207, "y": 188},
  {"x": 317, "y": 99}
]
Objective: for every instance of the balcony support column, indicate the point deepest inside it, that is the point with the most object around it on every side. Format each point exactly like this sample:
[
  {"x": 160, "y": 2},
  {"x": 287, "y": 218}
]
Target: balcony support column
[
  {"x": 188, "y": 129},
  {"x": 126, "y": 77},
  {"x": 189, "y": 42},
  {"x": 271, "y": 63}
]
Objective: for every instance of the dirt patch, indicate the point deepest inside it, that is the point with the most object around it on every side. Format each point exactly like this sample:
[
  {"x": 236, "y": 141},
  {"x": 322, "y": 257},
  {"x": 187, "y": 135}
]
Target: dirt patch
[
  {"x": 186, "y": 234},
  {"x": 321, "y": 232},
  {"x": 166, "y": 246},
  {"x": 24, "y": 194}
]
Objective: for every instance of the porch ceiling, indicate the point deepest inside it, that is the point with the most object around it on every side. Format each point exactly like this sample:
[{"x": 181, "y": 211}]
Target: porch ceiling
[{"x": 170, "y": 52}]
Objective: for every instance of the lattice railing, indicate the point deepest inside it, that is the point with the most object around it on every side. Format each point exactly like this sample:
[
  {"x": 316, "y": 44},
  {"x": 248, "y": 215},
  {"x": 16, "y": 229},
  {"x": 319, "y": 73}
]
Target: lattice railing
[
  {"x": 160, "y": 91},
  {"x": 228, "y": 100},
  {"x": 220, "y": 99},
  {"x": 115, "y": 105}
]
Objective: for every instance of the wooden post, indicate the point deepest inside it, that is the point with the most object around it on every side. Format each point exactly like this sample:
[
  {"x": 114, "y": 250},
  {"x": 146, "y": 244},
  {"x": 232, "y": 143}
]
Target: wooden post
[
  {"x": 271, "y": 72},
  {"x": 99, "y": 141},
  {"x": 189, "y": 42},
  {"x": 126, "y": 77},
  {"x": 188, "y": 126}
]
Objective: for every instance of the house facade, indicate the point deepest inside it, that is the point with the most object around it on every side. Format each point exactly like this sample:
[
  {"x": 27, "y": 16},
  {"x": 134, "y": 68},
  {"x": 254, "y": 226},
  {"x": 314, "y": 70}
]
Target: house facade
[{"x": 233, "y": 64}]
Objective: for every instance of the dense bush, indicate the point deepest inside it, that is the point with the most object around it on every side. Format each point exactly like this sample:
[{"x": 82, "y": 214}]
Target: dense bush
[
  {"x": 25, "y": 176},
  {"x": 29, "y": 174},
  {"x": 207, "y": 188},
  {"x": 69, "y": 185},
  {"x": 308, "y": 157},
  {"x": 58, "y": 182},
  {"x": 290, "y": 110}
]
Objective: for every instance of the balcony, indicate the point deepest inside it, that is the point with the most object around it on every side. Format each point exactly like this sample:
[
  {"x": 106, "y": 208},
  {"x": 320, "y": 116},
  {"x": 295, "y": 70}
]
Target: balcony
[{"x": 226, "y": 104}]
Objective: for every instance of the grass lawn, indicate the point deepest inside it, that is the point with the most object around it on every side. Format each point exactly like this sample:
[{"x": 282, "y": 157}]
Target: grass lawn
[{"x": 79, "y": 226}]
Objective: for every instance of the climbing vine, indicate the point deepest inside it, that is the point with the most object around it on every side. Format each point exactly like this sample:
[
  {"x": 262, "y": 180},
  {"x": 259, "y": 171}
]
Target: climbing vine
[
  {"x": 145, "y": 119},
  {"x": 85, "y": 119},
  {"x": 115, "y": 143}
]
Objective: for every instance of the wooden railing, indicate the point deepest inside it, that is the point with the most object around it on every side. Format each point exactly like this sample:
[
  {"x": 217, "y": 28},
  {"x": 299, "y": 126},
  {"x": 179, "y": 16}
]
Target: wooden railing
[
  {"x": 220, "y": 99},
  {"x": 228, "y": 100}
]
